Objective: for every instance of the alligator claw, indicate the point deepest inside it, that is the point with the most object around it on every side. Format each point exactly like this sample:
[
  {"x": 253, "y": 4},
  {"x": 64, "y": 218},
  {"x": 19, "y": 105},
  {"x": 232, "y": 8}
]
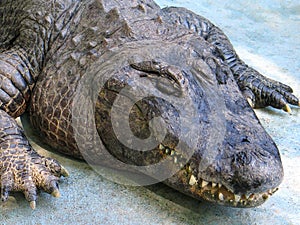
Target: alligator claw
[
  {"x": 54, "y": 167},
  {"x": 251, "y": 103},
  {"x": 56, "y": 193},
  {"x": 261, "y": 92},
  {"x": 64, "y": 172},
  {"x": 4, "y": 196},
  {"x": 22, "y": 168},
  {"x": 287, "y": 109},
  {"x": 32, "y": 204},
  {"x": 29, "y": 174}
]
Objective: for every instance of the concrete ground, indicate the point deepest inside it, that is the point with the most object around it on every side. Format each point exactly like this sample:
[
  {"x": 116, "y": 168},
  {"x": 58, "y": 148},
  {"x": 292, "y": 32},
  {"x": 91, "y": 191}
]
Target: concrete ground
[{"x": 267, "y": 36}]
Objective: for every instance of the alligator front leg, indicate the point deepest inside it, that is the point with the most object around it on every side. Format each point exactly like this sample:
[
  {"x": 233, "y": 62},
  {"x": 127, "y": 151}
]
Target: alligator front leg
[
  {"x": 21, "y": 167},
  {"x": 259, "y": 90}
]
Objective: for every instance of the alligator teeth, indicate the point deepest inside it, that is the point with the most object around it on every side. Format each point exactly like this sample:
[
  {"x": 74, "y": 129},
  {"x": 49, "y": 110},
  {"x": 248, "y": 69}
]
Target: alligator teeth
[
  {"x": 193, "y": 180},
  {"x": 221, "y": 196},
  {"x": 204, "y": 183},
  {"x": 251, "y": 197},
  {"x": 161, "y": 147},
  {"x": 175, "y": 159},
  {"x": 237, "y": 198},
  {"x": 247, "y": 196},
  {"x": 167, "y": 151},
  {"x": 265, "y": 196},
  {"x": 172, "y": 152}
]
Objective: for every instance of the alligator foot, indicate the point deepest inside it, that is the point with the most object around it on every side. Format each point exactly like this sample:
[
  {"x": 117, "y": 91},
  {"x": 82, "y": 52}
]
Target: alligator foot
[
  {"x": 262, "y": 92},
  {"x": 258, "y": 90},
  {"x": 28, "y": 172},
  {"x": 22, "y": 169}
]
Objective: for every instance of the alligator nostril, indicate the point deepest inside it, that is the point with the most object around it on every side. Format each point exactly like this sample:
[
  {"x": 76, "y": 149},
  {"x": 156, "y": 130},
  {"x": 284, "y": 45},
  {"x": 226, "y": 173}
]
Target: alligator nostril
[
  {"x": 245, "y": 139},
  {"x": 242, "y": 159}
]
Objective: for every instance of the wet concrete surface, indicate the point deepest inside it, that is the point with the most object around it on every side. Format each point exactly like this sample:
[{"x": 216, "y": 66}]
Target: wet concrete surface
[{"x": 267, "y": 36}]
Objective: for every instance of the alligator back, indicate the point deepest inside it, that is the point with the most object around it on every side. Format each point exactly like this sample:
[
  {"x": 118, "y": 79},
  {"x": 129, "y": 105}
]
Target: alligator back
[{"x": 83, "y": 33}]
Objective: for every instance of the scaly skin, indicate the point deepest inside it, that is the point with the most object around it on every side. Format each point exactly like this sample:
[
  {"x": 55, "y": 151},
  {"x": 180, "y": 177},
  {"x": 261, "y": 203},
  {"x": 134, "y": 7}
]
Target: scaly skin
[
  {"x": 49, "y": 47},
  {"x": 260, "y": 91}
]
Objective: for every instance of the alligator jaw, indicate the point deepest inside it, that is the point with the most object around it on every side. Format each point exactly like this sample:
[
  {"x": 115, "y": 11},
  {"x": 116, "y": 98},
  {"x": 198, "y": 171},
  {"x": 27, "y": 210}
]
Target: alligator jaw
[
  {"x": 184, "y": 181},
  {"x": 218, "y": 193}
]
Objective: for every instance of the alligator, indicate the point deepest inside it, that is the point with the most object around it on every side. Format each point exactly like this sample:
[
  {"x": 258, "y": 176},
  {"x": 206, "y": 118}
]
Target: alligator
[{"x": 76, "y": 67}]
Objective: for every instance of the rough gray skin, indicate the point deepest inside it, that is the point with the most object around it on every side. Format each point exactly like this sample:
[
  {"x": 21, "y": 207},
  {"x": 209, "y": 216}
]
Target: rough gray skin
[{"x": 48, "y": 47}]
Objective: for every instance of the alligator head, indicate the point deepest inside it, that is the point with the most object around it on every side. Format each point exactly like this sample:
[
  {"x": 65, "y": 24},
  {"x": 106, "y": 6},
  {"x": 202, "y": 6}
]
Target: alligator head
[{"x": 207, "y": 142}]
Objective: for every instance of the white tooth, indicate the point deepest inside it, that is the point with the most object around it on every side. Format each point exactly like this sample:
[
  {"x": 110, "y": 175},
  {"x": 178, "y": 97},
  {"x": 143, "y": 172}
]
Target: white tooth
[
  {"x": 237, "y": 198},
  {"x": 161, "y": 147},
  {"x": 193, "y": 180},
  {"x": 265, "y": 196},
  {"x": 221, "y": 196},
  {"x": 213, "y": 185},
  {"x": 190, "y": 168},
  {"x": 167, "y": 151},
  {"x": 175, "y": 160},
  {"x": 220, "y": 185},
  {"x": 172, "y": 152},
  {"x": 251, "y": 197},
  {"x": 247, "y": 196},
  {"x": 204, "y": 183}
]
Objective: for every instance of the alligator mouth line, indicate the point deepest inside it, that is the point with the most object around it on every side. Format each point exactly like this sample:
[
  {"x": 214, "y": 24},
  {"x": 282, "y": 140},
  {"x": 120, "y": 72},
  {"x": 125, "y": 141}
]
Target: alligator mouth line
[
  {"x": 212, "y": 191},
  {"x": 217, "y": 192}
]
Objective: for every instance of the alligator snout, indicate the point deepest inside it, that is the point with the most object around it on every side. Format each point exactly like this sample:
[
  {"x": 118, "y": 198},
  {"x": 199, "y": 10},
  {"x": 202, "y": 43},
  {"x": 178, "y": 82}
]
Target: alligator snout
[
  {"x": 251, "y": 158},
  {"x": 253, "y": 169},
  {"x": 243, "y": 172}
]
